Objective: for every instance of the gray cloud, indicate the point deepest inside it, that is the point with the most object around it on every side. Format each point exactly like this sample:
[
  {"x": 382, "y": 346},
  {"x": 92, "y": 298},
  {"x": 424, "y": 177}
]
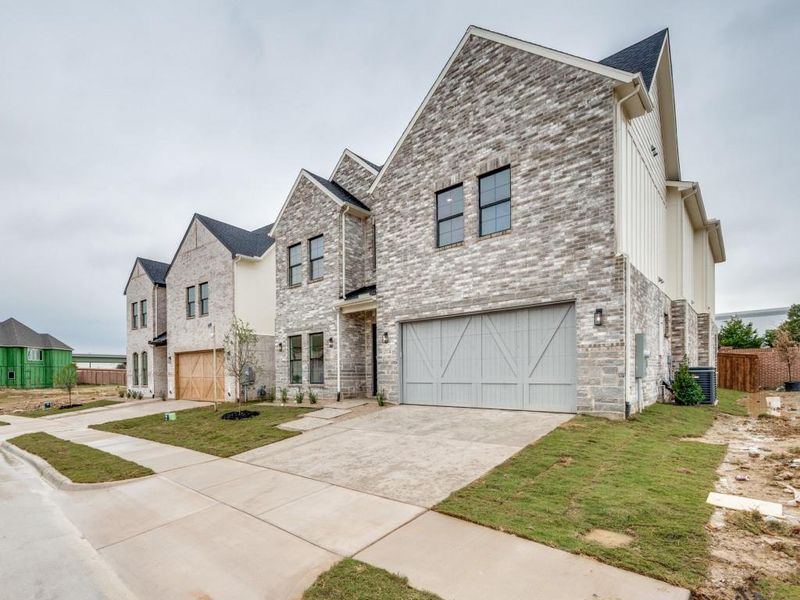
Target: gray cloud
[{"x": 120, "y": 120}]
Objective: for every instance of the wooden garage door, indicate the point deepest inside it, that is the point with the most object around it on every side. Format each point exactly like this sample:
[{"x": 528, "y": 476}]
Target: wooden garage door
[
  {"x": 195, "y": 375},
  {"x": 520, "y": 359}
]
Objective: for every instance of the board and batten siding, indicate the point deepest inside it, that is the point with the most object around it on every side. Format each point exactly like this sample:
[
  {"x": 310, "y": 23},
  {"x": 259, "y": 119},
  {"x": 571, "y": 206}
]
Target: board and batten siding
[{"x": 641, "y": 193}]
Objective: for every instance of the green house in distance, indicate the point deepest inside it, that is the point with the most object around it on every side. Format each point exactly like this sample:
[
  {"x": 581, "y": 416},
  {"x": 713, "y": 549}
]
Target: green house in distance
[{"x": 29, "y": 359}]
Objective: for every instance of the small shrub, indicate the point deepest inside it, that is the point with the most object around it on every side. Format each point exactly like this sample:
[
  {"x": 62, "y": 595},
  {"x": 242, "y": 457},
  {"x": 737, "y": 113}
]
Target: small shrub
[
  {"x": 685, "y": 389},
  {"x": 121, "y": 393},
  {"x": 381, "y": 398},
  {"x": 284, "y": 395},
  {"x": 139, "y": 395},
  {"x": 298, "y": 396},
  {"x": 129, "y": 394},
  {"x": 312, "y": 396},
  {"x": 271, "y": 394}
]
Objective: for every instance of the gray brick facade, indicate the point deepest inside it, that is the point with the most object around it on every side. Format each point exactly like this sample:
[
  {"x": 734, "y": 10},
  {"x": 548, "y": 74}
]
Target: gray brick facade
[{"x": 140, "y": 287}]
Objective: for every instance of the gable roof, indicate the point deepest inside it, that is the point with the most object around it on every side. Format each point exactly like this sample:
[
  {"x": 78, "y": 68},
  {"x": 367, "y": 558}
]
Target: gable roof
[
  {"x": 330, "y": 188},
  {"x": 154, "y": 269},
  {"x": 620, "y": 75},
  {"x": 239, "y": 241},
  {"x": 338, "y": 191},
  {"x": 15, "y": 334},
  {"x": 366, "y": 164},
  {"x": 641, "y": 57}
]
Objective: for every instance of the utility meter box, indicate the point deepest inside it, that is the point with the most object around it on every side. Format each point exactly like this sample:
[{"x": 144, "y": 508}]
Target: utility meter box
[{"x": 641, "y": 355}]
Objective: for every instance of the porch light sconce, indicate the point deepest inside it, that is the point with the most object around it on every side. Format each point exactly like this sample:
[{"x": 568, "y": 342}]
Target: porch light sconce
[
  {"x": 385, "y": 337},
  {"x": 598, "y": 317},
  {"x": 280, "y": 346},
  {"x": 169, "y": 359},
  {"x": 330, "y": 342},
  {"x": 653, "y": 150}
]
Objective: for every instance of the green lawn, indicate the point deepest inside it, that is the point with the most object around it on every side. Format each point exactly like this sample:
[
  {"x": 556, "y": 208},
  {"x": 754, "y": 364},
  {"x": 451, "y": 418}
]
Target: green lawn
[
  {"x": 81, "y": 464},
  {"x": 203, "y": 430},
  {"x": 771, "y": 588},
  {"x": 354, "y": 580},
  {"x": 40, "y": 412},
  {"x": 729, "y": 402},
  {"x": 635, "y": 477}
]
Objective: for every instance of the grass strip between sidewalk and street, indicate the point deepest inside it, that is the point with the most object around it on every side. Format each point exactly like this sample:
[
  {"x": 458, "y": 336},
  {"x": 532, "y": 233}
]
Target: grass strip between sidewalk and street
[
  {"x": 77, "y": 462},
  {"x": 202, "y": 429},
  {"x": 634, "y": 477},
  {"x": 41, "y": 412},
  {"x": 354, "y": 580}
]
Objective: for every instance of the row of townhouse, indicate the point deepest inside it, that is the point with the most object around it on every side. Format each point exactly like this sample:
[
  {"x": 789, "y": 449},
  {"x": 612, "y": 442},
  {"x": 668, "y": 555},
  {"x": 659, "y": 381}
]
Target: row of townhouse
[{"x": 528, "y": 244}]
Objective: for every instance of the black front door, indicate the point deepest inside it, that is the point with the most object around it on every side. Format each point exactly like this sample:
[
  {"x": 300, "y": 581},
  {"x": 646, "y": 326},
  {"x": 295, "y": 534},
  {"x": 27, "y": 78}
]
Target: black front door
[{"x": 374, "y": 359}]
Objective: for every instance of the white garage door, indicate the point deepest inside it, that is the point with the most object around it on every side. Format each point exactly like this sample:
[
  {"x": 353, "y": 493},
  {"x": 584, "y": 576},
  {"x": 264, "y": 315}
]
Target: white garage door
[{"x": 519, "y": 359}]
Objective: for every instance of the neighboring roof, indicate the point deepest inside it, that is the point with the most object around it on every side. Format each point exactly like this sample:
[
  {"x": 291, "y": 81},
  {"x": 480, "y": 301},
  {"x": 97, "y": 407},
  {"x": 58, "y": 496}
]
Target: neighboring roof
[
  {"x": 156, "y": 270},
  {"x": 239, "y": 241},
  {"x": 641, "y": 57},
  {"x": 159, "y": 340},
  {"x": 368, "y": 290},
  {"x": 14, "y": 334},
  {"x": 338, "y": 191},
  {"x": 620, "y": 75},
  {"x": 369, "y": 162},
  {"x": 781, "y": 311}
]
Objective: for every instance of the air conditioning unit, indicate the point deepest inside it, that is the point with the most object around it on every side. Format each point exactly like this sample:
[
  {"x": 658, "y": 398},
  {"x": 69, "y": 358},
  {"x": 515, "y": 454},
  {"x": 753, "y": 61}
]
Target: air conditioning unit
[{"x": 707, "y": 378}]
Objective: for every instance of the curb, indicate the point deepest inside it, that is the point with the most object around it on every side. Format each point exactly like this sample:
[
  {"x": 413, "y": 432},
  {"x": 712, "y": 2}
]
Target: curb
[{"x": 52, "y": 476}]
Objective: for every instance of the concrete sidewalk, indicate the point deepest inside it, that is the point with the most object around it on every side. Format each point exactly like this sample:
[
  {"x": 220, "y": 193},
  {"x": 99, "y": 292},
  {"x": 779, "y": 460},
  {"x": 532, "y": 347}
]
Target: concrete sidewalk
[{"x": 267, "y": 522}]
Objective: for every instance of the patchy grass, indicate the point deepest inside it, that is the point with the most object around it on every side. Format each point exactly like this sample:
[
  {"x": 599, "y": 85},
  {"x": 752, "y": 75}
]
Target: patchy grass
[
  {"x": 40, "y": 412},
  {"x": 14, "y": 399},
  {"x": 635, "y": 477},
  {"x": 354, "y": 580},
  {"x": 772, "y": 588},
  {"x": 755, "y": 523},
  {"x": 203, "y": 430},
  {"x": 79, "y": 463},
  {"x": 728, "y": 402}
]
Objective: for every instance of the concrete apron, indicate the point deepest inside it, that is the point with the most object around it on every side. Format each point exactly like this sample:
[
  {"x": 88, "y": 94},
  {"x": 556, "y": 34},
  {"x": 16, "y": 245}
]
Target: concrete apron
[{"x": 226, "y": 528}]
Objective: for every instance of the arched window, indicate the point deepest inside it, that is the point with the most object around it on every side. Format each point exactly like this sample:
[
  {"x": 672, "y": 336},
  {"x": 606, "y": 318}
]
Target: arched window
[
  {"x": 135, "y": 369},
  {"x": 144, "y": 368}
]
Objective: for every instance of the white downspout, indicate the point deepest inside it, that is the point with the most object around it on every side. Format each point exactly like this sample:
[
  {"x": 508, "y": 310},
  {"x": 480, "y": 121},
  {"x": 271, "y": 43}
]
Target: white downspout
[
  {"x": 339, "y": 312},
  {"x": 344, "y": 251},
  {"x": 626, "y": 313}
]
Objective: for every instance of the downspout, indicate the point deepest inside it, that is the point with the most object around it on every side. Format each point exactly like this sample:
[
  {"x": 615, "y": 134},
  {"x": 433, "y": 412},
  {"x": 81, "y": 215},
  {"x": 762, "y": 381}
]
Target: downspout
[
  {"x": 339, "y": 312},
  {"x": 626, "y": 291}
]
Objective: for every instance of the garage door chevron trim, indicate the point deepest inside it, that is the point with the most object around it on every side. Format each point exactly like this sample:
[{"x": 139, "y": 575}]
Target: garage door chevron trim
[{"x": 523, "y": 359}]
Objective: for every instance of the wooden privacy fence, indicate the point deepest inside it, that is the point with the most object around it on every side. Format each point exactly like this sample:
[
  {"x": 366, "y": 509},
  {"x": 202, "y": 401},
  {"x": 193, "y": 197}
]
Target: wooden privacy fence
[
  {"x": 102, "y": 376},
  {"x": 737, "y": 371}
]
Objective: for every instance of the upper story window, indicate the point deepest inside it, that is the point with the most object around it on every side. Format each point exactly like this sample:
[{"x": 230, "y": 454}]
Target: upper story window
[
  {"x": 495, "y": 201},
  {"x": 316, "y": 255},
  {"x": 190, "y": 302},
  {"x": 295, "y": 265},
  {"x": 135, "y": 373},
  {"x": 143, "y": 312},
  {"x": 135, "y": 315},
  {"x": 204, "y": 299},
  {"x": 450, "y": 216},
  {"x": 295, "y": 359},
  {"x": 34, "y": 354},
  {"x": 143, "y": 378}
]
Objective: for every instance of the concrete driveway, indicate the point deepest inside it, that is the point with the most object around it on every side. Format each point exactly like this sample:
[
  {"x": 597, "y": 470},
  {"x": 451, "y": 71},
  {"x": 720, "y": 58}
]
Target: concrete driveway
[
  {"x": 412, "y": 454},
  {"x": 266, "y": 523}
]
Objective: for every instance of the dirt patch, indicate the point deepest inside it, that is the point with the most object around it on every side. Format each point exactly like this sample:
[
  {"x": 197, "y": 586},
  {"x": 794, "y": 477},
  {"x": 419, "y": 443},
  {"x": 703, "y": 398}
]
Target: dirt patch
[
  {"x": 609, "y": 539},
  {"x": 761, "y": 462},
  {"x": 14, "y": 401}
]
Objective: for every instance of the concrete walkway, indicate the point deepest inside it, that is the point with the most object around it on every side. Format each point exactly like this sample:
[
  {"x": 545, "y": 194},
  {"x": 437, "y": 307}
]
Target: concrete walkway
[{"x": 266, "y": 523}]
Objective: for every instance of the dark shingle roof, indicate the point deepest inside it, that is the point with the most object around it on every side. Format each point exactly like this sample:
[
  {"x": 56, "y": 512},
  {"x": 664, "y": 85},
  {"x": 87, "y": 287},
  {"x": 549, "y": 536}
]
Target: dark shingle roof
[
  {"x": 369, "y": 162},
  {"x": 159, "y": 340},
  {"x": 15, "y": 334},
  {"x": 369, "y": 290},
  {"x": 339, "y": 191},
  {"x": 239, "y": 241},
  {"x": 156, "y": 270},
  {"x": 641, "y": 57}
]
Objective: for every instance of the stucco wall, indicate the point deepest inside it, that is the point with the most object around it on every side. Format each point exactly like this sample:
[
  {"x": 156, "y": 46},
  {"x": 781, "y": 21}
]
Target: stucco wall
[
  {"x": 254, "y": 297},
  {"x": 554, "y": 125}
]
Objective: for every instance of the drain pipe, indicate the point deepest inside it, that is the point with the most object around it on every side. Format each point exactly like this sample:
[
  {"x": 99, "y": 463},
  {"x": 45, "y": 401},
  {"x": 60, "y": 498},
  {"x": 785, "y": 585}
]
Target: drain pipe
[
  {"x": 627, "y": 308},
  {"x": 339, "y": 311}
]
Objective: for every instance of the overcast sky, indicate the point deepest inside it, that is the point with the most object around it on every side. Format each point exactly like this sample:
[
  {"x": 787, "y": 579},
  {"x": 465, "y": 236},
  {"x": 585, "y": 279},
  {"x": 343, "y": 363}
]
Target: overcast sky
[{"x": 119, "y": 120}]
